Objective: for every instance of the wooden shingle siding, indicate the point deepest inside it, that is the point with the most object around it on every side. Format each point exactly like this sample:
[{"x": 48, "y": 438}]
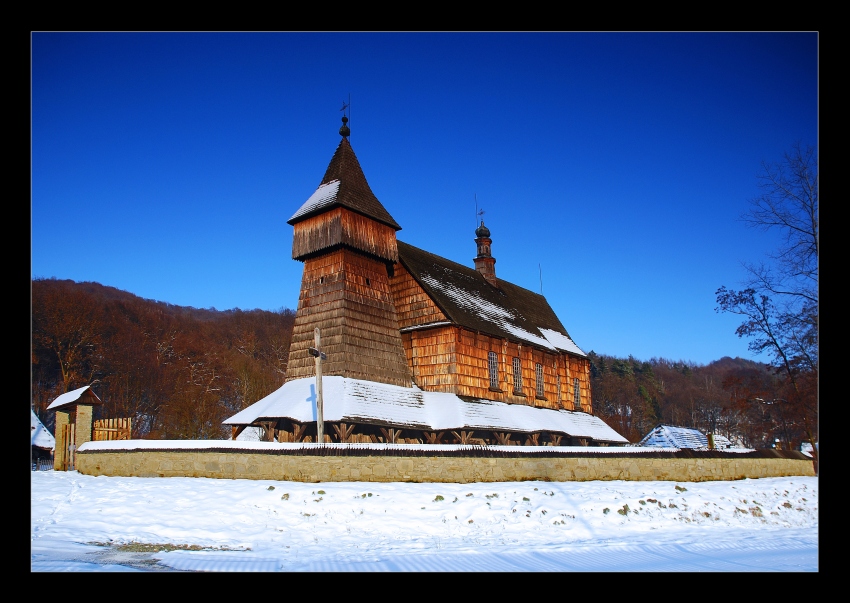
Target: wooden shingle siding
[
  {"x": 432, "y": 357},
  {"x": 453, "y": 359},
  {"x": 413, "y": 306},
  {"x": 347, "y": 295},
  {"x": 340, "y": 226}
]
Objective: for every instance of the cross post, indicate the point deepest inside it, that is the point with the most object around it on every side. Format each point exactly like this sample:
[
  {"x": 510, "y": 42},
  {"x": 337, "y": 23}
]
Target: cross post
[{"x": 319, "y": 356}]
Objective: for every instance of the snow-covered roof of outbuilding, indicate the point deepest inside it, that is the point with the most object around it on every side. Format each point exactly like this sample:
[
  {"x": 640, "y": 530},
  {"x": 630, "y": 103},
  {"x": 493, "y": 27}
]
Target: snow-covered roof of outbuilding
[
  {"x": 669, "y": 436},
  {"x": 467, "y": 299},
  {"x": 358, "y": 401},
  {"x": 40, "y": 436},
  {"x": 84, "y": 394}
]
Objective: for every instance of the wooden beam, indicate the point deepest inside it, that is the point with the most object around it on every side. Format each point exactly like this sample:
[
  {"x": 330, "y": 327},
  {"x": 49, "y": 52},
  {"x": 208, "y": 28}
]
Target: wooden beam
[
  {"x": 532, "y": 439},
  {"x": 434, "y": 437},
  {"x": 298, "y": 432},
  {"x": 343, "y": 431},
  {"x": 391, "y": 435},
  {"x": 464, "y": 437},
  {"x": 503, "y": 438}
]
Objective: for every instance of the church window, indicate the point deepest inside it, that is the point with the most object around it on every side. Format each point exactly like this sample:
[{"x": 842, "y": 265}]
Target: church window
[
  {"x": 576, "y": 395},
  {"x": 517, "y": 376},
  {"x": 538, "y": 373},
  {"x": 493, "y": 362}
]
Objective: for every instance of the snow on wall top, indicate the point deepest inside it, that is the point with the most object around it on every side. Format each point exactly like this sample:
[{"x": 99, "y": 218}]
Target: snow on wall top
[{"x": 354, "y": 400}]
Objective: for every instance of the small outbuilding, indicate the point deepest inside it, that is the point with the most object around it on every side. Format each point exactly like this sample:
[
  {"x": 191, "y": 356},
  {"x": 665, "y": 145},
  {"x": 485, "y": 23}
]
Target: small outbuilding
[
  {"x": 43, "y": 442},
  {"x": 670, "y": 436}
]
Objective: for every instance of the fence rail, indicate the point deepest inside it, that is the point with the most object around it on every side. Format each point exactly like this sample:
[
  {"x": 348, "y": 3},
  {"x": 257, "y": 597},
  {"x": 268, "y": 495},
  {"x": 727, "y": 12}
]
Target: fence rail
[{"x": 42, "y": 465}]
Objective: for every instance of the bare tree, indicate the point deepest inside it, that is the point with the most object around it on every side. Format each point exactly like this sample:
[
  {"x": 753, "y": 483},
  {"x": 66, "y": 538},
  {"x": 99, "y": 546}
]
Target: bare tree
[{"x": 779, "y": 299}]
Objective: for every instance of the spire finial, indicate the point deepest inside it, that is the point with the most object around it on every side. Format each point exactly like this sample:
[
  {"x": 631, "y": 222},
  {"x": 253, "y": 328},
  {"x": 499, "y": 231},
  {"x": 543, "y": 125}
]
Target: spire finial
[
  {"x": 345, "y": 131},
  {"x": 482, "y": 231}
]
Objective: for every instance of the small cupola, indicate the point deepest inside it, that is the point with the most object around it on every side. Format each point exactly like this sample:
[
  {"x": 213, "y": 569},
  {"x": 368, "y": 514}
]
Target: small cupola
[{"x": 485, "y": 263}]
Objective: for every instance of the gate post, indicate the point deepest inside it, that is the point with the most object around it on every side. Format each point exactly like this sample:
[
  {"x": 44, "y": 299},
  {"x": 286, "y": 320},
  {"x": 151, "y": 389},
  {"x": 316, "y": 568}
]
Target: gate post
[
  {"x": 84, "y": 424},
  {"x": 63, "y": 418}
]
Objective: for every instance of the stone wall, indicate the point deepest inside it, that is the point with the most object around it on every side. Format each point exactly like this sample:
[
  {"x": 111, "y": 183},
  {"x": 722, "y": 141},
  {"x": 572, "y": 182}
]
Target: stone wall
[{"x": 421, "y": 468}]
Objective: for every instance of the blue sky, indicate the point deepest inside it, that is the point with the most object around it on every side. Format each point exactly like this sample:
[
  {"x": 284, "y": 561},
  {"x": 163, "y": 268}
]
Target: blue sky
[{"x": 613, "y": 167}]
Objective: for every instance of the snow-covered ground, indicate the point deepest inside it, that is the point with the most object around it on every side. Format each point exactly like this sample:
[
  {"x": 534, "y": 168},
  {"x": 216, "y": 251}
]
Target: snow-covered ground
[{"x": 88, "y": 523}]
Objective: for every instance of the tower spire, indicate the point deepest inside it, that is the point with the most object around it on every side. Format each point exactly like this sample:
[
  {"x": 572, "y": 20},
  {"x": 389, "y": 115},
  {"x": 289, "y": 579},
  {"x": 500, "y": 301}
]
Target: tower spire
[{"x": 485, "y": 263}]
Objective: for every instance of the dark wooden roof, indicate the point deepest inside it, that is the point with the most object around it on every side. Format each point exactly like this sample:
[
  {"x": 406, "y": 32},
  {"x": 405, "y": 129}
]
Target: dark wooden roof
[
  {"x": 354, "y": 192},
  {"x": 467, "y": 299}
]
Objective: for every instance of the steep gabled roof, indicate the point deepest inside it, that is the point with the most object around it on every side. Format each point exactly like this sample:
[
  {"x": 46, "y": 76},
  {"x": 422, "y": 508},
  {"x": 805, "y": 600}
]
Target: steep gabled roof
[
  {"x": 467, "y": 299},
  {"x": 344, "y": 185}
]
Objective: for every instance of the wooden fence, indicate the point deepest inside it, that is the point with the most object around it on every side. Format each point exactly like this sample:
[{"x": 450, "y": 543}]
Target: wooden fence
[{"x": 112, "y": 429}]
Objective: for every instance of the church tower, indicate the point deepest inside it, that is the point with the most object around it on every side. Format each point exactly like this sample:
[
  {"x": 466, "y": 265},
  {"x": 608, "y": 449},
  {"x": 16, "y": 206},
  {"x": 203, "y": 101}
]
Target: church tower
[{"x": 347, "y": 241}]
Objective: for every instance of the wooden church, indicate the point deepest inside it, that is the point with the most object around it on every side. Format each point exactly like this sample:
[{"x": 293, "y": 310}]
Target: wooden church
[{"x": 417, "y": 348}]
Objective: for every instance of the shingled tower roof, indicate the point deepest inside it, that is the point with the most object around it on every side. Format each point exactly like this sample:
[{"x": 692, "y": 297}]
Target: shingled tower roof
[{"x": 344, "y": 185}]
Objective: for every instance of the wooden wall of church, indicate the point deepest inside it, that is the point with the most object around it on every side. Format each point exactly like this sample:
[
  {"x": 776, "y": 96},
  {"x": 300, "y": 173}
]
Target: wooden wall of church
[
  {"x": 456, "y": 360},
  {"x": 413, "y": 306},
  {"x": 347, "y": 295},
  {"x": 340, "y": 226}
]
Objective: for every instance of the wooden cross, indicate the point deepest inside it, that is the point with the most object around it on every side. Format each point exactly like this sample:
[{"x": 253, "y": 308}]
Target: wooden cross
[{"x": 319, "y": 356}]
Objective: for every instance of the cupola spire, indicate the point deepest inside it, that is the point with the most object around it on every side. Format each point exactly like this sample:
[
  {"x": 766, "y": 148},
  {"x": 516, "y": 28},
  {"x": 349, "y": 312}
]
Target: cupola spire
[{"x": 485, "y": 263}]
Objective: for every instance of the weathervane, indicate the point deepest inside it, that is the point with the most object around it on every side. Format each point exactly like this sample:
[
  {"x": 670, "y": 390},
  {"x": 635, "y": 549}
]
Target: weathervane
[{"x": 478, "y": 212}]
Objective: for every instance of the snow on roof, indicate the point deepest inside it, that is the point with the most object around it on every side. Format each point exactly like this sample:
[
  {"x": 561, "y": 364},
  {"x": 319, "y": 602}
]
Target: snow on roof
[
  {"x": 669, "y": 436},
  {"x": 562, "y": 342},
  {"x": 40, "y": 436},
  {"x": 324, "y": 196},
  {"x": 355, "y": 400},
  {"x": 507, "y": 311},
  {"x": 71, "y": 397}
]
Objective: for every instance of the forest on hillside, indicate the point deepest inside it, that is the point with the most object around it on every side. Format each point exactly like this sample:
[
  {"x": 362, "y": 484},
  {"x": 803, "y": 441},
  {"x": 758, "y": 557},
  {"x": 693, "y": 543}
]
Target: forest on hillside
[
  {"x": 179, "y": 371},
  {"x": 176, "y": 371}
]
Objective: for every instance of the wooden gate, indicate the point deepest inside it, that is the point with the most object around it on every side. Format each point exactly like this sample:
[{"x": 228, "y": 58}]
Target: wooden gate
[
  {"x": 112, "y": 429},
  {"x": 67, "y": 442}
]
